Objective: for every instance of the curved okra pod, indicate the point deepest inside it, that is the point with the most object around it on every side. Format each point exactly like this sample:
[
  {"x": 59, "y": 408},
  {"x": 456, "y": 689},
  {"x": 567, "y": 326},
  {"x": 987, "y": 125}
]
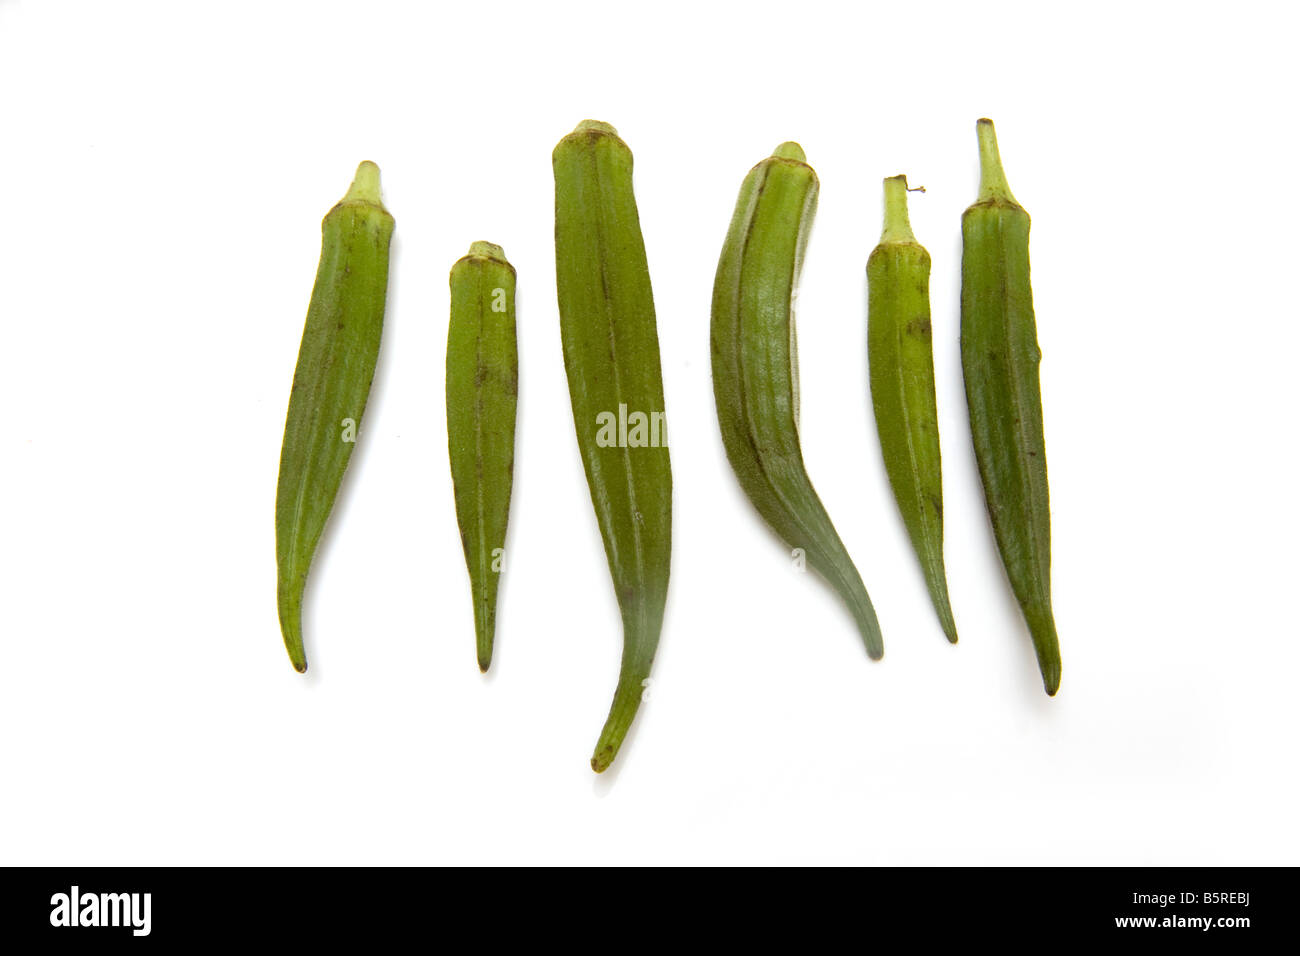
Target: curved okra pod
[
  {"x": 336, "y": 362},
  {"x": 1000, "y": 356},
  {"x": 482, "y": 390},
  {"x": 755, "y": 371},
  {"x": 901, "y": 360},
  {"x": 611, "y": 356}
]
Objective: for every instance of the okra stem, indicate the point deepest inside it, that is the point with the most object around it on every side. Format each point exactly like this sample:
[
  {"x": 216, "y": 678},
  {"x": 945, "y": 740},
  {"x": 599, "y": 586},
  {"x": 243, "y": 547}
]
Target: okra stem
[
  {"x": 898, "y": 227},
  {"x": 596, "y": 125},
  {"x": 993, "y": 181},
  {"x": 365, "y": 185},
  {"x": 790, "y": 150}
]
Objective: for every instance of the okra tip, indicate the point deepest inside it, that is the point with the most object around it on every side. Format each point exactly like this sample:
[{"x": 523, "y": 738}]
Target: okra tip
[
  {"x": 790, "y": 150},
  {"x": 365, "y": 185},
  {"x": 290, "y": 606},
  {"x": 898, "y": 227},
  {"x": 1049, "y": 664},
  {"x": 297, "y": 653},
  {"x": 993, "y": 181}
]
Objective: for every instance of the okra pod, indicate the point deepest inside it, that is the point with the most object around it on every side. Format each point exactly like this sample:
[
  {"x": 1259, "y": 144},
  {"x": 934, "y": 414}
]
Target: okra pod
[
  {"x": 611, "y": 357},
  {"x": 1000, "y": 357},
  {"x": 901, "y": 361},
  {"x": 336, "y": 363},
  {"x": 755, "y": 369},
  {"x": 482, "y": 390}
]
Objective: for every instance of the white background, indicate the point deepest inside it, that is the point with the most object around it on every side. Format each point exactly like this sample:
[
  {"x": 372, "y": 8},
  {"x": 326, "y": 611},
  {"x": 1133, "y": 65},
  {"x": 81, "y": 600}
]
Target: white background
[{"x": 165, "y": 167}]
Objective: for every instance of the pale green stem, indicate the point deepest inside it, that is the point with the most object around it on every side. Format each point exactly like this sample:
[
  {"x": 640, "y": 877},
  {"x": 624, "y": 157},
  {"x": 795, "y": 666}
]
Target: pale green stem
[
  {"x": 993, "y": 181},
  {"x": 898, "y": 228},
  {"x": 596, "y": 125},
  {"x": 365, "y": 186},
  {"x": 790, "y": 151},
  {"x": 489, "y": 250}
]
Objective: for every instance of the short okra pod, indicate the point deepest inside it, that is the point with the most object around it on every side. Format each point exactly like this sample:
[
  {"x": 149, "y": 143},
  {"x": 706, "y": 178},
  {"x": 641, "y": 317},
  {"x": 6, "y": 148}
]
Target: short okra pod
[
  {"x": 611, "y": 357},
  {"x": 755, "y": 369},
  {"x": 901, "y": 362},
  {"x": 1000, "y": 357},
  {"x": 482, "y": 390},
  {"x": 336, "y": 363}
]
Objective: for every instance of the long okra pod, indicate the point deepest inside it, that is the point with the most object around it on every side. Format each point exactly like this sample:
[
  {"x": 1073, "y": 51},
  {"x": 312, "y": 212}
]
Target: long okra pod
[
  {"x": 755, "y": 371},
  {"x": 901, "y": 360},
  {"x": 482, "y": 390},
  {"x": 1000, "y": 356},
  {"x": 336, "y": 362},
  {"x": 611, "y": 356}
]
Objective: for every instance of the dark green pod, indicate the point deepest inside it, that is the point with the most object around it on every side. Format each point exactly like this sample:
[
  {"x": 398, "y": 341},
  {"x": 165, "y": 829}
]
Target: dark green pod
[
  {"x": 901, "y": 361},
  {"x": 482, "y": 394},
  {"x": 611, "y": 356},
  {"x": 1000, "y": 356},
  {"x": 336, "y": 363},
  {"x": 756, "y": 372}
]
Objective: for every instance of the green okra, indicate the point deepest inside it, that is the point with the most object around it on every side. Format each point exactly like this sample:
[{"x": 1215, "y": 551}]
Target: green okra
[
  {"x": 611, "y": 357},
  {"x": 336, "y": 363},
  {"x": 1000, "y": 357},
  {"x": 482, "y": 393},
  {"x": 901, "y": 361},
  {"x": 755, "y": 370}
]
